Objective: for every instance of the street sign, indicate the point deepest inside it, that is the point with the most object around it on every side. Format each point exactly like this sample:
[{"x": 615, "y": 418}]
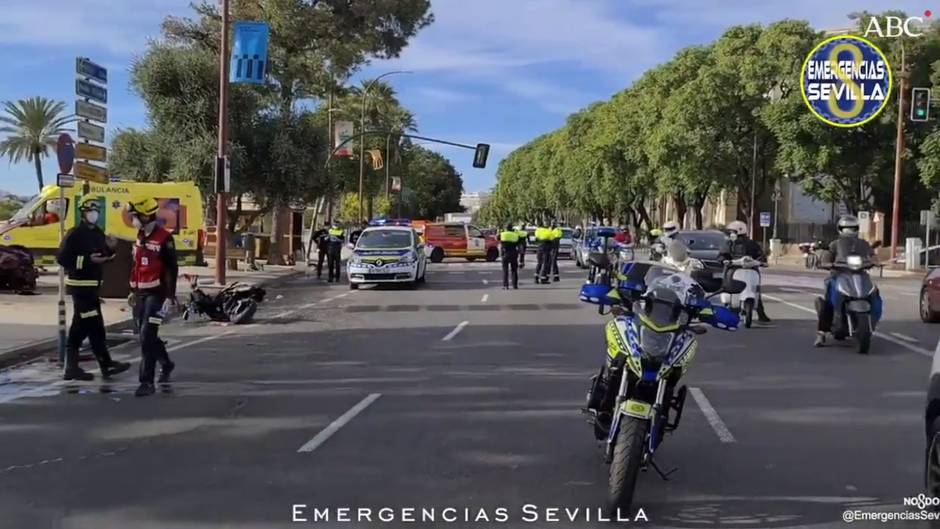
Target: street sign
[
  {"x": 65, "y": 152},
  {"x": 65, "y": 180},
  {"x": 764, "y": 219},
  {"x": 396, "y": 184},
  {"x": 90, "y": 131},
  {"x": 94, "y": 173},
  {"x": 86, "y": 68},
  {"x": 91, "y": 91},
  {"x": 249, "y": 52},
  {"x": 87, "y": 151},
  {"x": 84, "y": 109}
]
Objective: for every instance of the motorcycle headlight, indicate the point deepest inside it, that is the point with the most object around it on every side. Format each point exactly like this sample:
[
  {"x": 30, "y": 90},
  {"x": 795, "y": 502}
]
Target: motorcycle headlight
[
  {"x": 655, "y": 344},
  {"x": 854, "y": 262}
]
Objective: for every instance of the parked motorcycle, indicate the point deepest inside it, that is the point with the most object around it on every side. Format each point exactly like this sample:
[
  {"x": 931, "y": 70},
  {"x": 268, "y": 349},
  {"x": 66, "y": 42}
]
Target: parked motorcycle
[
  {"x": 744, "y": 269},
  {"x": 854, "y": 300},
  {"x": 811, "y": 253},
  {"x": 651, "y": 341},
  {"x": 17, "y": 270},
  {"x": 236, "y": 303}
]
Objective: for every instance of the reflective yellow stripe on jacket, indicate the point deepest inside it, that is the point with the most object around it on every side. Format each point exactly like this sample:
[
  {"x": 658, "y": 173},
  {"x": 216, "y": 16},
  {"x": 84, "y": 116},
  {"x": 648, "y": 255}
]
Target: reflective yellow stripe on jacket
[{"x": 81, "y": 282}]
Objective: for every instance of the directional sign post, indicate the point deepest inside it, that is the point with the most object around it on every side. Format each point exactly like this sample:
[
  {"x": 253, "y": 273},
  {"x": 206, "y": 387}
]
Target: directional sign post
[
  {"x": 84, "y": 109},
  {"x": 90, "y": 131},
  {"x": 92, "y": 173},
  {"x": 91, "y": 87},
  {"x": 87, "y": 151}
]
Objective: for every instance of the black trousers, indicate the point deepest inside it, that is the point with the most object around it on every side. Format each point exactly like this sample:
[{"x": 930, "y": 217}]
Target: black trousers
[
  {"x": 544, "y": 264},
  {"x": 321, "y": 255},
  {"x": 556, "y": 247},
  {"x": 152, "y": 348},
  {"x": 87, "y": 322},
  {"x": 522, "y": 247},
  {"x": 510, "y": 263},
  {"x": 333, "y": 257}
]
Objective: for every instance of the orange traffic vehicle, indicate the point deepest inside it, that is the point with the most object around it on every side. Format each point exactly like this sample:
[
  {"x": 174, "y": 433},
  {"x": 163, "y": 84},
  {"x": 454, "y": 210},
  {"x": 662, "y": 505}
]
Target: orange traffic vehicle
[{"x": 456, "y": 239}]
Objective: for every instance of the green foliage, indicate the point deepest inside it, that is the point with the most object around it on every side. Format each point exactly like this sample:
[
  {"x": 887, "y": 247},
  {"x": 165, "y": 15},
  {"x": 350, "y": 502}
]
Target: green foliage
[{"x": 32, "y": 127}]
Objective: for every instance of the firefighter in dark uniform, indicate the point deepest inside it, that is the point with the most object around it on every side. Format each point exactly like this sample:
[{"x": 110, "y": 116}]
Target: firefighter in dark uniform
[
  {"x": 321, "y": 239},
  {"x": 523, "y": 242},
  {"x": 556, "y": 248},
  {"x": 334, "y": 254},
  {"x": 509, "y": 248},
  {"x": 153, "y": 290},
  {"x": 543, "y": 238},
  {"x": 84, "y": 249}
]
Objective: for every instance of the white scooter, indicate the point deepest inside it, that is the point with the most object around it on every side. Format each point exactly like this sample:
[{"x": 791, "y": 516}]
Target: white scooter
[{"x": 744, "y": 269}]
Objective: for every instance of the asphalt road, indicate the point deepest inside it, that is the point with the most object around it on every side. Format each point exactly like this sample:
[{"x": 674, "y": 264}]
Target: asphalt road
[{"x": 460, "y": 394}]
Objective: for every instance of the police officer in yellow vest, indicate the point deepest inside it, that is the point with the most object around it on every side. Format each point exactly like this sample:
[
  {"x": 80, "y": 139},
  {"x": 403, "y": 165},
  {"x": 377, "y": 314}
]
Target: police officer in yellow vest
[
  {"x": 543, "y": 238},
  {"x": 335, "y": 237},
  {"x": 83, "y": 252},
  {"x": 556, "y": 247},
  {"x": 509, "y": 249},
  {"x": 523, "y": 242}
]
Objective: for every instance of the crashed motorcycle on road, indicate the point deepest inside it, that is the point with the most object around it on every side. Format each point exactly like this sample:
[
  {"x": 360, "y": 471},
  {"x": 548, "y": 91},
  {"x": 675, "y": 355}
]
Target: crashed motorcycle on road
[
  {"x": 17, "y": 270},
  {"x": 236, "y": 303}
]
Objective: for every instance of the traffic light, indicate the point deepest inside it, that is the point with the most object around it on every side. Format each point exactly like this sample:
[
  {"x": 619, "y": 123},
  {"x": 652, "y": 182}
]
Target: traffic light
[
  {"x": 479, "y": 158},
  {"x": 920, "y": 104}
]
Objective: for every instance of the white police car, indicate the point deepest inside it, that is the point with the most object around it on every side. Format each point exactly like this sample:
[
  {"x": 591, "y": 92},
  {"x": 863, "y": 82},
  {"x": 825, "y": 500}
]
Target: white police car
[{"x": 387, "y": 254}]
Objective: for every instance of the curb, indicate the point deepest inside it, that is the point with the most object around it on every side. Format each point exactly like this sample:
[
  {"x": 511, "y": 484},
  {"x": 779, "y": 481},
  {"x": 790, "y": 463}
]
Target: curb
[{"x": 27, "y": 352}]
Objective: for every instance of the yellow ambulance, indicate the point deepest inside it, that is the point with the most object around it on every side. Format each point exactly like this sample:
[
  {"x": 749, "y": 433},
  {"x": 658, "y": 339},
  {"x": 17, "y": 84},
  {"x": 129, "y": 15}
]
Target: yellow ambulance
[{"x": 36, "y": 225}]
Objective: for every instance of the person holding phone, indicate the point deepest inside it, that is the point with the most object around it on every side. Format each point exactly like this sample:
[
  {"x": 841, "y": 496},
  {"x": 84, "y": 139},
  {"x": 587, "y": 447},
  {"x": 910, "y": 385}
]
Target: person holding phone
[{"x": 83, "y": 252}]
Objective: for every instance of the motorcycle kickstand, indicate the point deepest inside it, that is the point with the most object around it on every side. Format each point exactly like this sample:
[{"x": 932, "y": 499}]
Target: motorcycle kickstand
[{"x": 663, "y": 475}]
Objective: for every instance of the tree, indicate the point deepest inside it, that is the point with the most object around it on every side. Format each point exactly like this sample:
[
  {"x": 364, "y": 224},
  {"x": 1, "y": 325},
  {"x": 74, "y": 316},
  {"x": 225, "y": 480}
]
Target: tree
[{"x": 32, "y": 126}]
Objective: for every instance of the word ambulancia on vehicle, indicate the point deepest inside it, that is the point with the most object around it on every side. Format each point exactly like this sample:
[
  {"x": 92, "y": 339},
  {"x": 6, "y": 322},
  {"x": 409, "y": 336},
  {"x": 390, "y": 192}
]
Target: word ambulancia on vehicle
[{"x": 846, "y": 81}]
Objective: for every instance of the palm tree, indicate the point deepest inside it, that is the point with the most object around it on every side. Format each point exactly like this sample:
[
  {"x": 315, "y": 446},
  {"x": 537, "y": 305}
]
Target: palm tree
[{"x": 32, "y": 126}]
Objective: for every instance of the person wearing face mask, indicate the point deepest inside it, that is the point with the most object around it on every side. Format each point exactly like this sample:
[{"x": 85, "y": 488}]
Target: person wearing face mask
[
  {"x": 153, "y": 290},
  {"x": 82, "y": 253},
  {"x": 739, "y": 245}
]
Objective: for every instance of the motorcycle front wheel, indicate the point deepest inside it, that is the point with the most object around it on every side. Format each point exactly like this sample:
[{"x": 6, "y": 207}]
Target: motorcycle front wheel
[
  {"x": 862, "y": 333},
  {"x": 748, "y": 312},
  {"x": 625, "y": 467}
]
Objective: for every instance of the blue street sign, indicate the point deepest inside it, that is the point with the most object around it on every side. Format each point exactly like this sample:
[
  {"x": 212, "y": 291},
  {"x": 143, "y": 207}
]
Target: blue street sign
[
  {"x": 91, "y": 91},
  {"x": 86, "y": 68},
  {"x": 764, "y": 219},
  {"x": 249, "y": 52}
]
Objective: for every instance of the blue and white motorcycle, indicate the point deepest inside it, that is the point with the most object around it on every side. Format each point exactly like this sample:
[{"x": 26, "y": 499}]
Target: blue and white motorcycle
[{"x": 651, "y": 342}]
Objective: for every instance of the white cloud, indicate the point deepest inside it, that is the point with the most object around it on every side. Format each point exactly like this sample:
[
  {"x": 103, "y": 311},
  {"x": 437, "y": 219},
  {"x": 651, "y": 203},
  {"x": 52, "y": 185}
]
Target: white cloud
[
  {"x": 115, "y": 27},
  {"x": 443, "y": 95}
]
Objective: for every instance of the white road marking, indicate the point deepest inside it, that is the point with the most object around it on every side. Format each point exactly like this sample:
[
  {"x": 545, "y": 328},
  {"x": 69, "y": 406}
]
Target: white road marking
[
  {"x": 724, "y": 435},
  {"x": 883, "y": 336},
  {"x": 486, "y": 282},
  {"x": 484, "y": 298},
  {"x": 904, "y": 337},
  {"x": 343, "y": 295},
  {"x": 455, "y": 332},
  {"x": 334, "y": 426},
  {"x": 39, "y": 390},
  {"x": 792, "y": 290}
]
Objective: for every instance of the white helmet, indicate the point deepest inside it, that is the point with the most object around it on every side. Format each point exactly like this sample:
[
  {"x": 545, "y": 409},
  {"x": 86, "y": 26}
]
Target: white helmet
[
  {"x": 848, "y": 226},
  {"x": 737, "y": 227},
  {"x": 671, "y": 228}
]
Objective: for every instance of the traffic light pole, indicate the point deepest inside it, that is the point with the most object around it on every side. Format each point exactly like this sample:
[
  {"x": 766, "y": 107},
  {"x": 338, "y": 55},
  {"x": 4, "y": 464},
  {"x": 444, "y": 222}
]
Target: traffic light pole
[{"x": 898, "y": 160}]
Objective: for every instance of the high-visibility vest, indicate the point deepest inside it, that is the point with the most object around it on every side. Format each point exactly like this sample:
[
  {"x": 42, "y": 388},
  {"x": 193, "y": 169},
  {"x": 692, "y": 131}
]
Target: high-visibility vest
[
  {"x": 522, "y": 234},
  {"x": 509, "y": 236},
  {"x": 336, "y": 234},
  {"x": 543, "y": 234},
  {"x": 147, "y": 270},
  {"x": 557, "y": 234}
]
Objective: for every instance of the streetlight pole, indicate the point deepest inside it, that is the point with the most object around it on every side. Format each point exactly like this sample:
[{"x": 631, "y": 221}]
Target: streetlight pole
[
  {"x": 362, "y": 128},
  {"x": 753, "y": 186},
  {"x": 899, "y": 158},
  {"x": 221, "y": 202}
]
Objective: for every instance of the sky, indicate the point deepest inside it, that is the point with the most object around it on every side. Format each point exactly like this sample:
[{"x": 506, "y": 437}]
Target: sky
[{"x": 494, "y": 71}]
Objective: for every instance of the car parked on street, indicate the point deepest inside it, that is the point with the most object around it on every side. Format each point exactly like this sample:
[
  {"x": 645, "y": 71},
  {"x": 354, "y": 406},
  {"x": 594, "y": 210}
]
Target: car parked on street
[
  {"x": 581, "y": 248},
  {"x": 456, "y": 239},
  {"x": 932, "y": 424},
  {"x": 705, "y": 245},
  {"x": 930, "y": 297},
  {"x": 387, "y": 254}
]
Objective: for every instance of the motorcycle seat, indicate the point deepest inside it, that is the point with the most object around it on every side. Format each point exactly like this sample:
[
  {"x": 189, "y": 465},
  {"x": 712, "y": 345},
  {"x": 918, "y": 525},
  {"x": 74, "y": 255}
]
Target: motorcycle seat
[{"x": 600, "y": 260}]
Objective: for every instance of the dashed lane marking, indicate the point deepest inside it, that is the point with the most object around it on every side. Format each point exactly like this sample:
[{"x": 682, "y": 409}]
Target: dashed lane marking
[
  {"x": 450, "y": 336},
  {"x": 334, "y": 426}
]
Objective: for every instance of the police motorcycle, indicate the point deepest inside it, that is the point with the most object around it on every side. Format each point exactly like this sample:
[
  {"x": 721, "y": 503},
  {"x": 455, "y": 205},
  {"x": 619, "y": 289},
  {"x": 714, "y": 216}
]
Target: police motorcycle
[
  {"x": 636, "y": 397},
  {"x": 657, "y": 247},
  {"x": 602, "y": 257},
  {"x": 744, "y": 269},
  {"x": 855, "y": 301}
]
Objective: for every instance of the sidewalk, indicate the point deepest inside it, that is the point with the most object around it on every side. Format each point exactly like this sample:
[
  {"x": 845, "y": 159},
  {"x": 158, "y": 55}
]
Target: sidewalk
[
  {"x": 29, "y": 324},
  {"x": 795, "y": 262}
]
